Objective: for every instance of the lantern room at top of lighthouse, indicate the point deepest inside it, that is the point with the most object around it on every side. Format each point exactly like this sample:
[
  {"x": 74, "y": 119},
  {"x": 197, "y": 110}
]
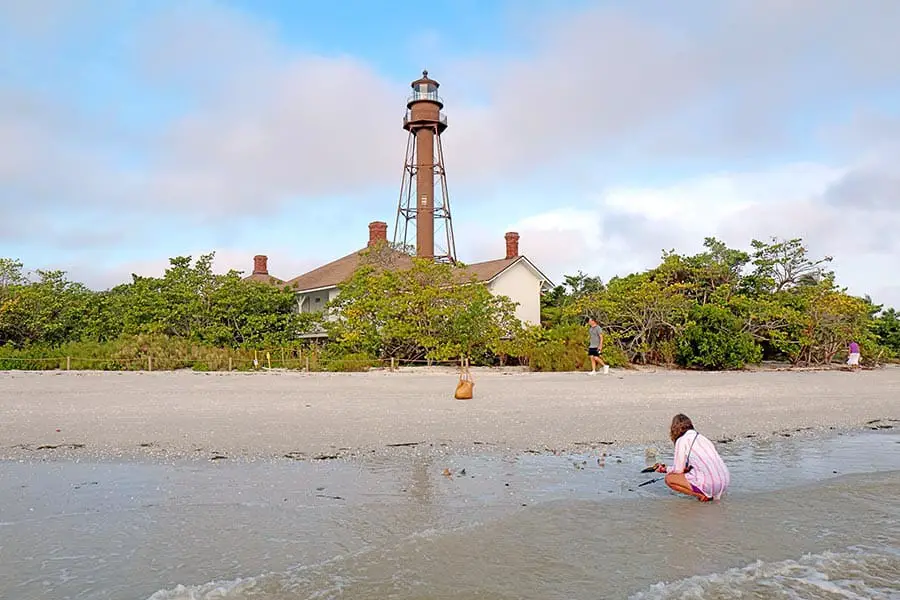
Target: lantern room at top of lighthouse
[
  {"x": 424, "y": 89},
  {"x": 424, "y": 106}
]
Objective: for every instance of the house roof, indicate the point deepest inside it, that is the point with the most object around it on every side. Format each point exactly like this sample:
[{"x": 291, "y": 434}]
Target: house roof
[
  {"x": 340, "y": 270},
  {"x": 264, "y": 278},
  {"x": 490, "y": 269},
  {"x": 487, "y": 270}
]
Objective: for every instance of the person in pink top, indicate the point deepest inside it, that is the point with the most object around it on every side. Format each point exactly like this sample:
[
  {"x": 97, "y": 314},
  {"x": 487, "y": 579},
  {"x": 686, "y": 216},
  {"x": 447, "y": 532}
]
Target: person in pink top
[{"x": 698, "y": 471}]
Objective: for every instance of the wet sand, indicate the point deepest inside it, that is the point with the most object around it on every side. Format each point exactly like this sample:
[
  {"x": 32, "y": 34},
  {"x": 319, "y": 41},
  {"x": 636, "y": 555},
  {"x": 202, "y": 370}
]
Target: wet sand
[
  {"x": 173, "y": 415},
  {"x": 532, "y": 526}
]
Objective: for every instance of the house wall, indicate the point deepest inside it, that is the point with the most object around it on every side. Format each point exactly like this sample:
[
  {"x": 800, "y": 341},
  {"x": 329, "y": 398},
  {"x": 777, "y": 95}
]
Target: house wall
[
  {"x": 315, "y": 301},
  {"x": 521, "y": 285}
]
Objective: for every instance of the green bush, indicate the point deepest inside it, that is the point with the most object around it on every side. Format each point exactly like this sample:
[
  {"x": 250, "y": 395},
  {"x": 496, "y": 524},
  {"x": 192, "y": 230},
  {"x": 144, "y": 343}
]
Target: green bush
[
  {"x": 886, "y": 327},
  {"x": 560, "y": 348},
  {"x": 131, "y": 353},
  {"x": 667, "y": 350},
  {"x": 30, "y": 358},
  {"x": 334, "y": 358},
  {"x": 354, "y": 362},
  {"x": 613, "y": 354},
  {"x": 713, "y": 339}
]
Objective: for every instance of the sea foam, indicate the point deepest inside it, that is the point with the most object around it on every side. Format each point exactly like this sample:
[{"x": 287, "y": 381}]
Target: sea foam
[{"x": 858, "y": 573}]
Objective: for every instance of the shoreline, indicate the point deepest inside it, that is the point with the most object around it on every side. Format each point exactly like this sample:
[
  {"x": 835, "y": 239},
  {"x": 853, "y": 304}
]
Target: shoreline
[
  {"x": 426, "y": 451},
  {"x": 164, "y": 416}
]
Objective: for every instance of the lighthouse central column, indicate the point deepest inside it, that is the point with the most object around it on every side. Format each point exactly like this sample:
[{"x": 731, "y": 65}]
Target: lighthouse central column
[{"x": 425, "y": 193}]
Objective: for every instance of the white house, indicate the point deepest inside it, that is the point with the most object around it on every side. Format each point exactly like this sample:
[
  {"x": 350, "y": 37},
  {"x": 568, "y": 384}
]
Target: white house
[{"x": 513, "y": 276}]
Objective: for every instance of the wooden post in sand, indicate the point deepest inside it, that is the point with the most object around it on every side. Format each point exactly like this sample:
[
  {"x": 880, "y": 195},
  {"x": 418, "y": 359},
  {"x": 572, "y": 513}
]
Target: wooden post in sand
[
  {"x": 229, "y": 363},
  {"x": 149, "y": 363},
  {"x": 392, "y": 364},
  {"x": 307, "y": 364},
  {"x": 269, "y": 360},
  {"x": 68, "y": 363}
]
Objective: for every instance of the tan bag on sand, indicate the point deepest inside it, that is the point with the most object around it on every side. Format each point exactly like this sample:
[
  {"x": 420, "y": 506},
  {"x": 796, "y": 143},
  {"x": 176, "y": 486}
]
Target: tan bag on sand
[{"x": 465, "y": 385}]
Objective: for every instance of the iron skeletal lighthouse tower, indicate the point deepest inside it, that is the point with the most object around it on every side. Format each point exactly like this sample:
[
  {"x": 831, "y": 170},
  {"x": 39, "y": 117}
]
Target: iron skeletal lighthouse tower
[{"x": 423, "y": 163}]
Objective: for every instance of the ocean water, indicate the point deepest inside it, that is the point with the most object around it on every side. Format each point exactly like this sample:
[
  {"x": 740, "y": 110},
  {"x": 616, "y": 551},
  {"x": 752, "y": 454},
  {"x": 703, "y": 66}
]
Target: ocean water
[{"x": 810, "y": 516}]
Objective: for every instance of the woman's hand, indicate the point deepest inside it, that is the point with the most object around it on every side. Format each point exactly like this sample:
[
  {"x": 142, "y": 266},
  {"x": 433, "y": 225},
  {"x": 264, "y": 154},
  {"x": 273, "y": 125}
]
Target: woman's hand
[{"x": 661, "y": 468}]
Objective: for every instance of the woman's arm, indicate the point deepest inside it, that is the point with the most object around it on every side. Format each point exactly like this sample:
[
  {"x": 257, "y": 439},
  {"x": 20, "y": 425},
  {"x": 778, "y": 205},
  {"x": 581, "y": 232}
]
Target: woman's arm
[{"x": 680, "y": 456}]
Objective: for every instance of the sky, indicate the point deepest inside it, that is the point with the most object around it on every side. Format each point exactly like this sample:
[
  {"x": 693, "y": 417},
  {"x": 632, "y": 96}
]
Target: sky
[{"x": 603, "y": 132}]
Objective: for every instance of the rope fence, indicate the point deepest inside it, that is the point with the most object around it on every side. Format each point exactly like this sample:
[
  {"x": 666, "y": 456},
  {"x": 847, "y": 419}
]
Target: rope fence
[{"x": 260, "y": 361}]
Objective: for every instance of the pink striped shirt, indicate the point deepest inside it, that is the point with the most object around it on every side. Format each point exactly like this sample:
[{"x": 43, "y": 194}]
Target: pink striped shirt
[{"x": 709, "y": 473}]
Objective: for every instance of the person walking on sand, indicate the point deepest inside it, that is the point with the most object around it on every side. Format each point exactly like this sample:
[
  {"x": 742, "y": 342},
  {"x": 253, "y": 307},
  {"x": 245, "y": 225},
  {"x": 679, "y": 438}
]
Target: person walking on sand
[
  {"x": 595, "y": 346},
  {"x": 698, "y": 471},
  {"x": 853, "y": 356}
]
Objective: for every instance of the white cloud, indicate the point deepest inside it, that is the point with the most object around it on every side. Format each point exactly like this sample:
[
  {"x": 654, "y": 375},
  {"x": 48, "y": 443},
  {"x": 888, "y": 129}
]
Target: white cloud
[
  {"x": 270, "y": 125},
  {"x": 618, "y": 81},
  {"x": 627, "y": 228},
  {"x": 703, "y": 201},
  {"x": 320, "y": 127}
]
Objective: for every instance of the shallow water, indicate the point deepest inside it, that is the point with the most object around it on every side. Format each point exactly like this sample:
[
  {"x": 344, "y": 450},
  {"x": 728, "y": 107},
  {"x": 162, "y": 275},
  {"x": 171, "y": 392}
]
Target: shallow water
[{"x": 807, "y": 517}]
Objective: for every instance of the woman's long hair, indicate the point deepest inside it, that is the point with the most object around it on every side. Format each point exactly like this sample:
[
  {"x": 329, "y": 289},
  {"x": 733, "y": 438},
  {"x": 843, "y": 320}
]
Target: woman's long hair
[{"x": 680, "y": 425}]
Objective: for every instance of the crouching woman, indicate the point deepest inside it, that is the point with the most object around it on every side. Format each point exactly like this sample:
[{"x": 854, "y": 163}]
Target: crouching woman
[{"x": 698, "y": 470}]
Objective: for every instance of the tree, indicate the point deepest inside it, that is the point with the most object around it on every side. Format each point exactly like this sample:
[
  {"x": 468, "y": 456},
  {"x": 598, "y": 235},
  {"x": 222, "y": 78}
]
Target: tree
[
  {"x": 11, "y": 275},
  {"x": 776, "y": 323},
  {"x": 833, "y": 319},
  {"x": 574, "y": 287},
  {"x": 46, "y": 311},
  {"x": 886, "y": 327},
  {"x": 718, "y": 269},
  {"x": 253, "y": 314},
  {"x": 643, "y": 313},
  {"x": 428, "y": 310},
  {"x": 192, "y": 302},
  {"x": 11, "y": 280},
  {"x": 714, "y": 339},
  {"x": 580, "y": 285},
  {"x": 783, "y": 264}
]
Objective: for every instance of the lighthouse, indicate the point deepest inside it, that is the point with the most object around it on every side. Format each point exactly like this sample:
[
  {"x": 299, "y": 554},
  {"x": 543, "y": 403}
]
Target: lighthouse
[{"x": 424, "y": 199}]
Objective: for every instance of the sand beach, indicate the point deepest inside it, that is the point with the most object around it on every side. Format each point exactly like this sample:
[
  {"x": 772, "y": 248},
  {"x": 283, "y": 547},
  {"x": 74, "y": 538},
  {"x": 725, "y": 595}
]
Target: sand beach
[{"x": 246, "y": 416}]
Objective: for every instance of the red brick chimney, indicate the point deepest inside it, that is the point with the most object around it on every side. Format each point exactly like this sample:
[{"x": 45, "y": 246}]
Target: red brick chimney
[
  {"x": 377, "y": 232},
  {"x": 260, "y": 264},
  {"x": 512, "y": 244}
]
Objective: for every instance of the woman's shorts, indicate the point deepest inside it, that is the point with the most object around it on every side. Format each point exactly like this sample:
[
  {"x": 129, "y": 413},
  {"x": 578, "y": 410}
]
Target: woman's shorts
[{"x": 698, "y": 490}]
